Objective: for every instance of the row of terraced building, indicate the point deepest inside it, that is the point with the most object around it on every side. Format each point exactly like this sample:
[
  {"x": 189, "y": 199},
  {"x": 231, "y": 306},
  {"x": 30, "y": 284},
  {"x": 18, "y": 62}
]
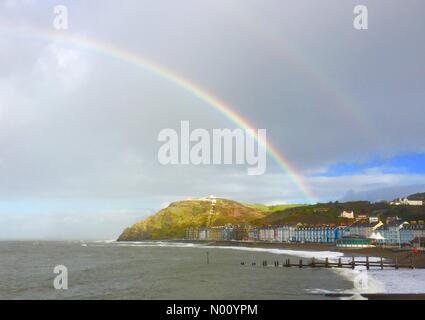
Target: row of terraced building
[{"x": 395, "y": 233}]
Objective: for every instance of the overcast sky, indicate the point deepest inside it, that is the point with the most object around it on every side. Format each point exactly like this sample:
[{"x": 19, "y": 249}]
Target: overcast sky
[{"x": 79, "y": 128}]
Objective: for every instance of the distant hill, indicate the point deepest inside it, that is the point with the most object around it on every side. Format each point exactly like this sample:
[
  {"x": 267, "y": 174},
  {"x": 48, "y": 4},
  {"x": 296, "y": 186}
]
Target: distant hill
[
  {"x": 388, "y": 193},
  {"x": 172, "y": 222},
  {"x": 327, "y": 213},
  {"x": 417, "y": 196}
]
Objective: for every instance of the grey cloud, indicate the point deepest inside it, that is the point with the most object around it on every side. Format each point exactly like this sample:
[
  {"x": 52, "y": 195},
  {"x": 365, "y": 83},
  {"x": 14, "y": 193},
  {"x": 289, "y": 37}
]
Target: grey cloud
[{"x": 79, "y": 124}]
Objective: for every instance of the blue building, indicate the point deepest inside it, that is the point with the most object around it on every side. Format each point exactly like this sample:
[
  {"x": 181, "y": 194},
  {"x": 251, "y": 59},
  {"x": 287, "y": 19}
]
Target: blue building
[
  {"x": 318, "y": 234},
  {"x": 253, "y": 234}
]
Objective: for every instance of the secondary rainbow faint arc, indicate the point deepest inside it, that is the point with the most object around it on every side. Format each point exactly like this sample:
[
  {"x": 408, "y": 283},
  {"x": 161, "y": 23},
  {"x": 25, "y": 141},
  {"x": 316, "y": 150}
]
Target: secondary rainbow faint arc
[
  {"x": 154, "y": 68},
  {"x": 264, "y": 30}
]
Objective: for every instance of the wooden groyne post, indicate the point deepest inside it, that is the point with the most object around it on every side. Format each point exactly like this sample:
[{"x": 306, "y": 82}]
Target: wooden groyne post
[
  {"x": 314, "y": 263},
  {"x": 288, "y": 263}
]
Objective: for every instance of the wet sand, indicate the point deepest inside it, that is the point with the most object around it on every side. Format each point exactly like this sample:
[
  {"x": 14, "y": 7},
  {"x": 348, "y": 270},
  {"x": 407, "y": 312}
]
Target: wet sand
[
  {"x": 381, "y": 296},
  {"x": 394, "y": 296},
  {"x": 403, "y": 256}
]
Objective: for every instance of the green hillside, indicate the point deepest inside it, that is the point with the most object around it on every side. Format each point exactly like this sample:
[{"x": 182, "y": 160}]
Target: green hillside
[
  {"x": 172, "y": 222},
  {"x": 327, "y": 213},
  {"x": 273, "y": 208}
]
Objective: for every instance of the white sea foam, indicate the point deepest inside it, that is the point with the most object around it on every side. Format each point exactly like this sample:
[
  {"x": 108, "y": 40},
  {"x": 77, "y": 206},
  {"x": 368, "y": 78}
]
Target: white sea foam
[
  {"x": 384, "y": 281},
  {"x": 400, "y": 281},
  {"x": 332, "y": 255},
  {"x": 297, "y": 253},
  {"x": 103, "y": 241},
  {"x": 371, "y": 285},
  {"x": 155, "y": 244}
]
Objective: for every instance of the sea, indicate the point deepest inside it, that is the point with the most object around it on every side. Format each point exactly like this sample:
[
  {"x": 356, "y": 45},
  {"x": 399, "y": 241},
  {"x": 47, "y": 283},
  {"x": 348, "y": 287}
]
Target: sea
[{"x": 167, "y": 270}]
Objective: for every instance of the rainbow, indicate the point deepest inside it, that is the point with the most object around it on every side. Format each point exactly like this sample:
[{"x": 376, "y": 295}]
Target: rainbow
[
  {"x": 264, "y": 30},
  {"x": 158, "y": 70}
]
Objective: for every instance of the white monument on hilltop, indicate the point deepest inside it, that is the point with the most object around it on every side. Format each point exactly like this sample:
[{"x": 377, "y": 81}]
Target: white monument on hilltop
[{"x": 347, "y": 215}]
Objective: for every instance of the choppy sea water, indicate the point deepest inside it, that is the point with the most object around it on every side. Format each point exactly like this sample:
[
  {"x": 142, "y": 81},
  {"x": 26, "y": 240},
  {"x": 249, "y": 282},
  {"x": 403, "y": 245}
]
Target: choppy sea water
[{"x": 156, "y": 270}]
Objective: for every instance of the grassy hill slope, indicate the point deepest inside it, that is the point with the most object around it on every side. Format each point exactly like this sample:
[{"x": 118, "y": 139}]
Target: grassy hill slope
[
  {"x": 172, "y": 222},
  {"x": 326, "y": 213}
]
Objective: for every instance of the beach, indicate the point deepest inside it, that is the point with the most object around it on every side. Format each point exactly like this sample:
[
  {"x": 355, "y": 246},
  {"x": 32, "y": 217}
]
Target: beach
[
  {"x": 376, "y": 284},
  {"x": 403, "y": 256}
]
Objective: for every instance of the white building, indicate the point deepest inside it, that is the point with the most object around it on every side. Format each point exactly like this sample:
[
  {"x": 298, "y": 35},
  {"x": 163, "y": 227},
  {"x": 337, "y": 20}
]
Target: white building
[
  {"x": 363, "y": 228},
  {"x": 391, "y": 232},
  {"x": 406, "y": 202},
  {"x": 204, "y": 234},
  {"x": 346, "y": 214},
  {"x": 285, "y": 233},
  {"x": 411, "y": 231},
  {"x": 266, "y": 234}
]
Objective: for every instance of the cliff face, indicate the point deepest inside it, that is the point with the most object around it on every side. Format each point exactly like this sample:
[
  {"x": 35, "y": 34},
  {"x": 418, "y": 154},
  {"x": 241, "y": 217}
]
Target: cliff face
[{"x": 172, "y": 222}]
